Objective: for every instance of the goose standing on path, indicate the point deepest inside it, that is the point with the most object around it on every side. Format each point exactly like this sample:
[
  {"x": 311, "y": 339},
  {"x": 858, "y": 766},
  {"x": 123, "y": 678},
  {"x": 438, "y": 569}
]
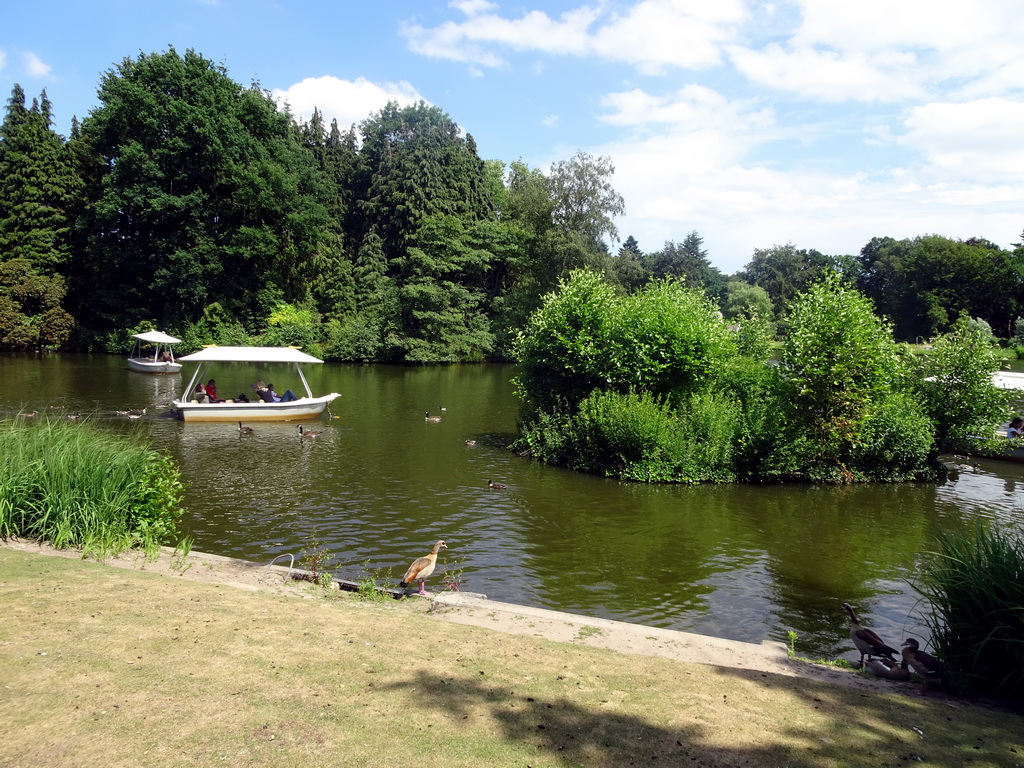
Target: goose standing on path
[
  {"x": 928, "y": 668},
  {"x": 868, "y": 643},
  {"x": 421, "y": 568}
]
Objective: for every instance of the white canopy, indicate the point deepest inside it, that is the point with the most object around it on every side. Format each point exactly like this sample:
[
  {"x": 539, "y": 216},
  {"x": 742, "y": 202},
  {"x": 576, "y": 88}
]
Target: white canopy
[
  {"x": 250, "y": 355},
  {"x": 156, "y": 337}
]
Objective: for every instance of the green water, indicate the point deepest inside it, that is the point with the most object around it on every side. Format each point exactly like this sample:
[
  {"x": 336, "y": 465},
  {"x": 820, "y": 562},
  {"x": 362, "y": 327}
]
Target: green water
[{"x": 382, "y": 484}]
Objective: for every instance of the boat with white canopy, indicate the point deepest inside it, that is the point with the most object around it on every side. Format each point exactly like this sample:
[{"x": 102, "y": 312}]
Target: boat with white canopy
[
  {"x": 306, "y": 407},
  {"x": 162, "y": 359}
]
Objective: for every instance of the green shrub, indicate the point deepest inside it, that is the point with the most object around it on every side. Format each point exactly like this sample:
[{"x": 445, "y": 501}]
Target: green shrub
[
  {"x": 975, "y": 586},
  {"x": 639, "y": 437},
  {"x": 894, "y": 442},
  {"x": 956, "y": 385},
  {"x": 74, "y": 486}
]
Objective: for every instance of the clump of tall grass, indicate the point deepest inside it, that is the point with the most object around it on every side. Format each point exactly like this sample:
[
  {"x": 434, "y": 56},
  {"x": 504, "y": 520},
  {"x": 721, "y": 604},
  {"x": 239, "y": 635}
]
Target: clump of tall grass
[
  {"x": 74, "y": 486},
  {"x": 975, "y": 584}
]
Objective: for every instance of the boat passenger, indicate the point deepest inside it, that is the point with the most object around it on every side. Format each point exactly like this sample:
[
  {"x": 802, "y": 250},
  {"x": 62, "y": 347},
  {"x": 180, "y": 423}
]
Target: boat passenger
[
  {"x": 200, "y": 395},
  {"x": 1016, "y": 428},
  {"x": 287, "y": 397},
  {"x": 211, "y": 391}
]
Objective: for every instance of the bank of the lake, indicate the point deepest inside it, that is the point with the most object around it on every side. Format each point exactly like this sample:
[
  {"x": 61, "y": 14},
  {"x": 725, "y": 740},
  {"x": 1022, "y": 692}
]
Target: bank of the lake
[{"x": 115, "y": 667}]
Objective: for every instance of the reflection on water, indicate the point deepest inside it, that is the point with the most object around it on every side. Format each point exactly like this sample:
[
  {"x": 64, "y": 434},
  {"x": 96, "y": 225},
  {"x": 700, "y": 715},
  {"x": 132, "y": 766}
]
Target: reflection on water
[{"x": 380, "y": 485}]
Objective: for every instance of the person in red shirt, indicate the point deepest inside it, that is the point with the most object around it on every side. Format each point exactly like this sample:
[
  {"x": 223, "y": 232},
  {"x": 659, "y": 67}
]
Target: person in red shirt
[{"x": 211, "y": 391}]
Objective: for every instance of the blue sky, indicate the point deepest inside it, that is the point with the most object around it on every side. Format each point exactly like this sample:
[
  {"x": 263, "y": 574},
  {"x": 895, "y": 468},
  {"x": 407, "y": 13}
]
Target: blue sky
[{"x": 817, "y": 122}]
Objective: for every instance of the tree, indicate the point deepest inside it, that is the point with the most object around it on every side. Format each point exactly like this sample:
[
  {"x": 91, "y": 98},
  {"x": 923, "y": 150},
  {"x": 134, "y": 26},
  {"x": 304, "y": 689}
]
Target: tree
[
  {"x": 414, "y": 164},
  {"x": 31, "y": 316},
  {"x": 37, "y": 186},
  {"x": 783, "y": 271},
  {"x": 583, "y": 200},
  {"x": 743, "y": 298},
  {"x": 204, "y": 194},
  {"x": 688, "y": 261}
]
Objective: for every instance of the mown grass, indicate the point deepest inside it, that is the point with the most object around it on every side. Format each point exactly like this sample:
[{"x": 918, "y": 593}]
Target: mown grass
[
  {"x": 73, "y": 485},
  {"x": 109, "y": 667},
  {"x": 975, "y": 585}
]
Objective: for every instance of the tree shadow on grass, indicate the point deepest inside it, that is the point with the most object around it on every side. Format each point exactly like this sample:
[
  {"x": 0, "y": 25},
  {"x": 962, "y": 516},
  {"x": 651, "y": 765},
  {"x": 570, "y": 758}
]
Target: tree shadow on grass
[{"x": 577, "y": 735}]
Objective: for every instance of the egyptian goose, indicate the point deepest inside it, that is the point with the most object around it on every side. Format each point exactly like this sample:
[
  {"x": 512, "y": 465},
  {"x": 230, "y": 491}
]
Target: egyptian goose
[
  {"x": 428, "y": 417},
  {"x": 928, "y": 668},
  {"x": 868, "y": 643},
  {"x": 421, "y": 568},
  {"x": 309, "y": 432},
  {"x": 890, "y": 670},
  {"x": 496, "y": 486},
  {"x": 245, "y": 430}
]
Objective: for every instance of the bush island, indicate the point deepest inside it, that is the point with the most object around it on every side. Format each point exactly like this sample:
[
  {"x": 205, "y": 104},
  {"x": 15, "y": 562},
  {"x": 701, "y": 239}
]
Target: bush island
[
  {"x": 75, "y": 486},
  {"x": 653, "y": 386}
]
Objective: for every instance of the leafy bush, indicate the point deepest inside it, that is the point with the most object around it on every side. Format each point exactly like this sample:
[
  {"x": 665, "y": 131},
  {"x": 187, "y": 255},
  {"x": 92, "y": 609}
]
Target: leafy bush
[
  {"x": 75, "y": 486},
  {"x": 975, "y": 585},
  {"x": 956, "y": 385},
  {"x": 841, "y": 361},
  {"x": 664, "y": 339},
  {"x": 638, "y": 437},
  {"x": 894, "y": 442}
]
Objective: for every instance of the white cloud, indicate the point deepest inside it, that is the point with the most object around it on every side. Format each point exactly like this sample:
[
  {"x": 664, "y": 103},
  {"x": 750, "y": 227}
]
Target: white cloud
[
  {"x": 672, "y": 187},
  {"x": 35, "y": 67},
  {"x": 978, "y": 141},
  {"x": 652, "y": 35},
  {"x": 829, "y": 75},
  {"x": 3, "y": 59},
  {"x": 551, "y": 121},
  {"x": 347, "y": 101}
]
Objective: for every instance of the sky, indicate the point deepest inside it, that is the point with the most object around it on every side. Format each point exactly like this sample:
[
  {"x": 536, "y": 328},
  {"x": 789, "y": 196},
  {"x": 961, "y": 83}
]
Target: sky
[{"x": 821, "y": 123}]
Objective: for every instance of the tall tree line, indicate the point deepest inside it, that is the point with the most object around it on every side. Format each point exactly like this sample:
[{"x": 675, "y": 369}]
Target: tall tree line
[{"x": 190, "y": 202}]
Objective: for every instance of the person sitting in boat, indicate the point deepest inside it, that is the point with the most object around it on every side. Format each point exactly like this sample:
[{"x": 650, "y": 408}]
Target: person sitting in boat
[
  {"x": 200, "y": 395},
  {"x": 211, "y": 391},
  {"x": 164, "y": 356},
  {"x": 287, "y": 397},
  {"x": 1016, "y": 428}
]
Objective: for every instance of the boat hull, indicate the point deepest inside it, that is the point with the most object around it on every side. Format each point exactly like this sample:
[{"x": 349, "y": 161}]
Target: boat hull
[
  {"x": 294, "y": 410},
  {"x": 152, "y": 366}
]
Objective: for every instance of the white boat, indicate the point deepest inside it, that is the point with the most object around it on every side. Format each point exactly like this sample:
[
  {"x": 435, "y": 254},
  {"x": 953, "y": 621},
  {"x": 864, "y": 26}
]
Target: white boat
[
  {"x": 162, "y": 359},
  {"x": 306, "y": 407}
]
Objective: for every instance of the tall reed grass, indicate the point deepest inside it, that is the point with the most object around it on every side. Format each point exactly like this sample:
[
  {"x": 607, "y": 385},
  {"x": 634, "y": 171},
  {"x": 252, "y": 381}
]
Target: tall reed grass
[
  {"x": 73, "y": 485},
  {"x": 975, "y": 584}
]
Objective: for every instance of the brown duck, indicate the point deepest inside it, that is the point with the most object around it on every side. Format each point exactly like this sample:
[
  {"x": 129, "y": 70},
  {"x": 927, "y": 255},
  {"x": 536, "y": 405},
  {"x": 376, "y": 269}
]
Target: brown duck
[
  {"x": 868, "y": 643},
  {"x": 927, "y": 667},
  {"x": 422, "y": 567}
]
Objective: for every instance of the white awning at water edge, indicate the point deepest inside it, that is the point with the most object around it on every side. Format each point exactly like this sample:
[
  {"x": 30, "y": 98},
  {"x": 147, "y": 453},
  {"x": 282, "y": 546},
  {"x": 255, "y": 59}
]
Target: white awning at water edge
[
  {"x": 249, "y": 355},
  {"x": 155, "y": 337},
  {"x": 1008, "y": 380}
]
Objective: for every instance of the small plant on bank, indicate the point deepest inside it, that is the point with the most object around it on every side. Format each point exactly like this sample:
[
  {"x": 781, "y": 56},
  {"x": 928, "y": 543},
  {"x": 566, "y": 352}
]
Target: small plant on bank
[
  {"x": 317, "y": 558},
  {"x": 367, "y": 587},
  {"x": 181, "y": 553},
  {"x": 454, "y": 574}
]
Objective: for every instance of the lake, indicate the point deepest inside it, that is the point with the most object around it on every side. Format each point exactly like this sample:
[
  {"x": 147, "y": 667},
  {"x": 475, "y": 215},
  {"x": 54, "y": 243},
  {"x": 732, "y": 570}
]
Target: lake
[{"x": 381, "y": 485}]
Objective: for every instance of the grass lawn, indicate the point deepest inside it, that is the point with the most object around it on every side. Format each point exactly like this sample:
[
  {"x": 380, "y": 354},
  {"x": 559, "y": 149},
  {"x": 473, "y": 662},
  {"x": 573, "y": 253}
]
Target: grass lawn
[{"x": 109, "y": 667}]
